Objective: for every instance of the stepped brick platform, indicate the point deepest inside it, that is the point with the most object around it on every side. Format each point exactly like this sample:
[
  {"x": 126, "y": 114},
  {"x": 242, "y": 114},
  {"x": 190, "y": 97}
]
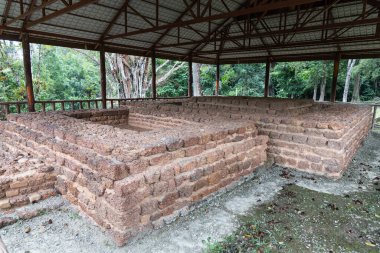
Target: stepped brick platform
[
  {"x": 141, "y": 165},
  {"x": 319, "y": 138},
  {"x": 128, "y": 180}
]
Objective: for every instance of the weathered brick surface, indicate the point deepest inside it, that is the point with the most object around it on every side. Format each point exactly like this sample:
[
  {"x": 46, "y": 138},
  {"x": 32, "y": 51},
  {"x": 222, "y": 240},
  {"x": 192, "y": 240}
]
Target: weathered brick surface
[{"x": 129, "y": 169}]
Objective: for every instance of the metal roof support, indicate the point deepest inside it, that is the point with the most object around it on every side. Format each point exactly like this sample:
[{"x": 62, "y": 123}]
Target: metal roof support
[
  {"x": 154, "y": 74},
  {"x": 28, "y": 72},
  {"x": 103, "y": 78},
  {"x": 217, "y": 78},
  {"x": 335, "y": 77},
  {"x": 190, "y": 80},
  {"x": 267, "y": 76}
]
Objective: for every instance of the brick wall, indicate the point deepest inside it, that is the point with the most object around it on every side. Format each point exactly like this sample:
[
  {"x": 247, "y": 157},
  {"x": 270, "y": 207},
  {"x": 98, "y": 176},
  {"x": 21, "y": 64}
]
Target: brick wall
[{"x": 129, "y": 181}]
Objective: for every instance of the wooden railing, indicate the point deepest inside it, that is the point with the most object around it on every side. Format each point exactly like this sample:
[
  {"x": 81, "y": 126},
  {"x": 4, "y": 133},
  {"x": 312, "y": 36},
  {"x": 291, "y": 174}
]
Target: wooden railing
[{"x": 69, "y": 105}]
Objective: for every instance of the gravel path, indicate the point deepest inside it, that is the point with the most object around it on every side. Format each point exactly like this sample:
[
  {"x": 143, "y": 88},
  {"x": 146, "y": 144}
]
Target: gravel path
[{"x": 64, "y": 230}]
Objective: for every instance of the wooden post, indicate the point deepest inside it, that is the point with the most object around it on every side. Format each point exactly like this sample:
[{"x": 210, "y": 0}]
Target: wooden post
[
  {"x": 217, "y": 78},
  {"x": 190, "y": 84},
  {"x": 103, "y": 78},
  {"x": 154, "y": 74},
  {"x": 335, "y": 78},
  {"x": 267, "y": 76},
  {"x": 28, "y": 72}
]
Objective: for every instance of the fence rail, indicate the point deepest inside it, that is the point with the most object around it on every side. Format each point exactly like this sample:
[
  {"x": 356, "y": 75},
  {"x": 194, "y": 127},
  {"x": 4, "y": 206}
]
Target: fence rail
[{"x": 69, "y": 105}]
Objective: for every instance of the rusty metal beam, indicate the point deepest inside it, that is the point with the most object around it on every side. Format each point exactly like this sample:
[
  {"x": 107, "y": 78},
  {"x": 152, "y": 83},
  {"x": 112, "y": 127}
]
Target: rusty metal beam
[
  {"x": 60, "y": 12},
  {"x": 189, "y": 7},
  {"x": 103, "y": 78},
  {"x": 6, "y": 11},
  {"x": 247, "y": 11},
  {"x": 29, "y": 12},
  {"x": 190, "y": 79},
  {"x": 360, "y": 22},
  {"x": 114, "y": 19},
  {"x": 335, "y": 78},
  {"x": 217, "y": 78},
  {"x": 28, "y": 72},
  {"x": 309, "y": 43},
  {"x": 267, "y": 76},
  {"x": 154, "y": 75}
]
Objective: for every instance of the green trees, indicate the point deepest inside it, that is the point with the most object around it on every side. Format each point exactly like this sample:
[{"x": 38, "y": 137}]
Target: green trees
[
  {"x": 12, "y": 86},
  {"x": 62, "y": 73}
]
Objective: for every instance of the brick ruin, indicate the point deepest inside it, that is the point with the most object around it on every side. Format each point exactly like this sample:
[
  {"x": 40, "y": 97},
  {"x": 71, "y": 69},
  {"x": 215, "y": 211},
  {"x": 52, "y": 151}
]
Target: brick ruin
[{"x": 136, "y": 167}]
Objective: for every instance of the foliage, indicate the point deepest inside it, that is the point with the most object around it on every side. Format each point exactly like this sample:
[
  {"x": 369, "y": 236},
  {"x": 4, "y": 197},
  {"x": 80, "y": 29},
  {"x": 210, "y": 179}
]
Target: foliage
[
  {"x": 176, "y": 84},
  {"x": 62, "y": 73},
  {"x": 248, "y": 238},
  {"x": 11, "y": 72}
]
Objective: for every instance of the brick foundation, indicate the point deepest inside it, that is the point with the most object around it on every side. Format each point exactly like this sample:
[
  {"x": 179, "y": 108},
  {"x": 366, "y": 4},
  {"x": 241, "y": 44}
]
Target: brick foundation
[
  {"x": 133, "y": 168},
  {"x": 129, "y": 180}
]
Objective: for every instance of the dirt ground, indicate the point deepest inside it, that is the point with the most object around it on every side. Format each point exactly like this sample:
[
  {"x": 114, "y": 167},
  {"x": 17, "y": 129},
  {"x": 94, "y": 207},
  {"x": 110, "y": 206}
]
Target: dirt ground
[{"x": 301, "y": 212}]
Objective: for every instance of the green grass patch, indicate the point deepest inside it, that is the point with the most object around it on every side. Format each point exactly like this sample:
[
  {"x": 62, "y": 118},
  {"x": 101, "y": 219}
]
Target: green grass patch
[{"x": 250, "y": 237}]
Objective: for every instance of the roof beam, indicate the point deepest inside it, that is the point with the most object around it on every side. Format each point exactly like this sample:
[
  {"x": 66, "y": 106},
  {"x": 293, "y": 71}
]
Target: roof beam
[
  {"x": 188, "y": 8},
  {"x": 60, "y": 12},
  {"x": 30, "y": 12},
  {"x": 242, "y": 12},
  {"x": 341, "y": 31},
  {"x": 360, "y": 22},
  {"x": 26, "y": 19},
  {"x": 248, "y": 3},
  {"x": 310, "y": 43},
  {"x": 6, "y": 11},
  {"x": 374, "y": 3},
  {"x": 114, "y": 19}
]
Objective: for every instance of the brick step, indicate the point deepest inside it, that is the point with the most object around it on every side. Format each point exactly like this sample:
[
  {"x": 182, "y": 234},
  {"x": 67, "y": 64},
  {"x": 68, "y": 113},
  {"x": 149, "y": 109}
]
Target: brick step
[
  {"x": 65, "y": 164},
  {"x": 76, "y": 156},
  {"x": 27, "y": 198},
  {"x": 17, "y": 144}
]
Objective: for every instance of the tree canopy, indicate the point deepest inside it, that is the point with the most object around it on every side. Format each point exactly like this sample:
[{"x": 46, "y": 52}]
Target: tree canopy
[{"x": 63, "y": 73}]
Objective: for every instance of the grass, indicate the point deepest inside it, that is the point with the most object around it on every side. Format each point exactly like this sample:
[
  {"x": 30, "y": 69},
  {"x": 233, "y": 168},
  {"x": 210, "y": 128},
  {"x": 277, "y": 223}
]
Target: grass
[
  {"x": 301, "y": 220},
  {"x": 74, "y": 215},
  {"x": 250, "y": 237}
]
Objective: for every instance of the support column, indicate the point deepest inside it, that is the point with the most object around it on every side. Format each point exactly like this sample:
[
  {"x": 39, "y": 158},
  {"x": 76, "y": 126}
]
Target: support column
[
  {"x": 28, "y": 72},
  {"x": 217, "y": 78},
  {"x": 267, "y": 76},
  {"x": 190, "y": 83},
  {"x": 154, "y": 75},
  {"x": 103, "y": 78},
  {"x": 335, "y": 78}
]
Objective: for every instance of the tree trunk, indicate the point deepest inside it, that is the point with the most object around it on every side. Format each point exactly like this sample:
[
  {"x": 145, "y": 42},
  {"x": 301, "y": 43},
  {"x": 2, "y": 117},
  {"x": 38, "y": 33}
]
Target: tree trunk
[
  {"x": 315, "y": 91},
  {"x": 323, "y": 83},
  {"x": 196, "y": 79},
  {"x": 132, "y": 74},
  {"x": 350, "y": 66},
  {"x": 356, "y": 92}
]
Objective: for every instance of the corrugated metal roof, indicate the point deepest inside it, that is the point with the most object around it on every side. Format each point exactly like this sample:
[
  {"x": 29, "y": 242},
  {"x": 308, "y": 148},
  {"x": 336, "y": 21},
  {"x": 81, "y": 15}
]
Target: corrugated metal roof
[{"x": 187, "y": 28}]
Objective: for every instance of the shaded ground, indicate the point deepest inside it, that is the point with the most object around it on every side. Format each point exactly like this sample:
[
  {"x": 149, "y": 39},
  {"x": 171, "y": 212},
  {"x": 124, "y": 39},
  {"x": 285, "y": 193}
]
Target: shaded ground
[
  {"x": 302, "y": 220},
  {"x": 280, "y": 209}
]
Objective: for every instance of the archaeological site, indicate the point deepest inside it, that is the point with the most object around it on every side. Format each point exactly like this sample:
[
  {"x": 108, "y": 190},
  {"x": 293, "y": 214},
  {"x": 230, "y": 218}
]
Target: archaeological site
[
  {"x": 131, "y": 168},
  {"x": 138, "y": 161}
]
